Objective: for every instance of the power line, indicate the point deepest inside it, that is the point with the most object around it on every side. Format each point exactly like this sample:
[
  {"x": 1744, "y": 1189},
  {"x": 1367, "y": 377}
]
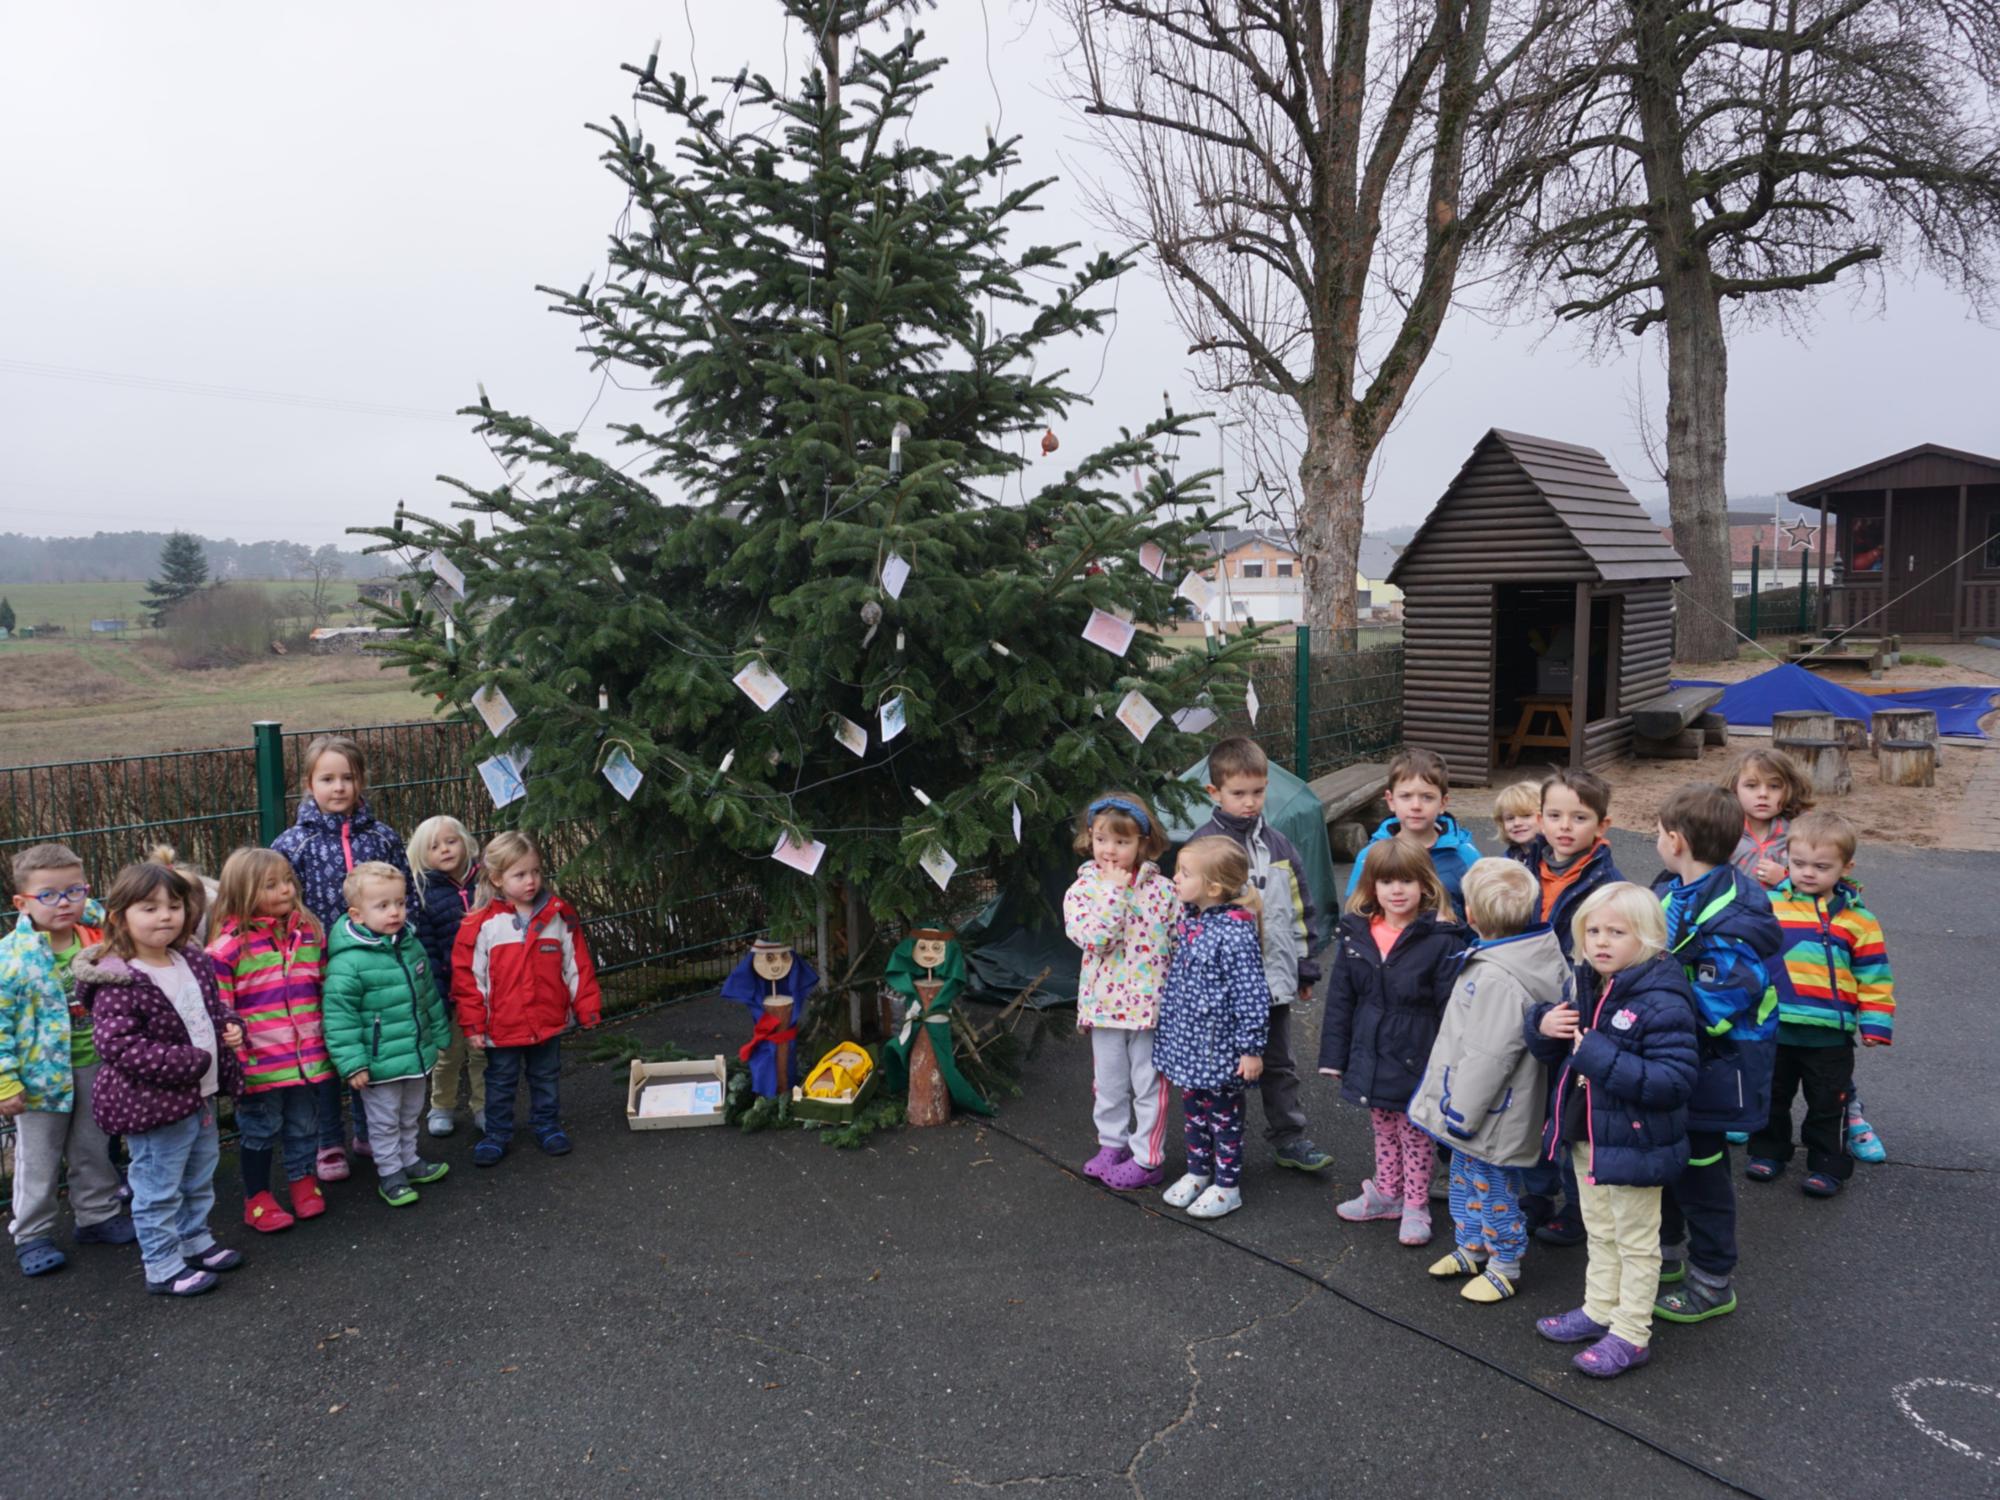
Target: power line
[{"x": 46, "y": 371}]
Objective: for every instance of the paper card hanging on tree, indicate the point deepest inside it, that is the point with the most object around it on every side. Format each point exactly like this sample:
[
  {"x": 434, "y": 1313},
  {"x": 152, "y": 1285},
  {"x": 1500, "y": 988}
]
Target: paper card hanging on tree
[
  {"x": 761, "y": 685},
  {"x": 1193, "y": 720},
  {"x": 1137, "y": 714},
  {"x": 1108, "y": 631},
  {"x": 800, "y": 856},
  {"x": 895, "y": 573},
  {"x": 1017, "y": 825},
  {"x": 1194, "y": 588},
  {"x": 893, "y": 721},
  {"x": 1250, "y": 701},
  {"x": 491, "y": 704},
  {"x": 504, "y": 782},
  {"x": 939, "y": 865},
  {"x": 622, "y": 774},
  {"x": 1153, "y": 558},
  {"x": 448, "y": 572},
  {"x": 850, "y": 735}
]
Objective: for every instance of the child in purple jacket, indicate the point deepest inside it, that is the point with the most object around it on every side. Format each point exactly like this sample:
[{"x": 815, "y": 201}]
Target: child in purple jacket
[{"x": 167, "y": 1046}]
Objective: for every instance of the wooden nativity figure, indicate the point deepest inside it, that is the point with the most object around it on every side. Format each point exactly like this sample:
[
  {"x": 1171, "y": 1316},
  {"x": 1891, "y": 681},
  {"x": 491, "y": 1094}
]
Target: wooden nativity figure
[
  {"x": 928, "y": 971},
  {"x": 772, "y": 982}
]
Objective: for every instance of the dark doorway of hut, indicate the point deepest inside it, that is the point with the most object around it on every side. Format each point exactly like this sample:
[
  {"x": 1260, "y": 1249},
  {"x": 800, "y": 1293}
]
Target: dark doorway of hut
[{"x": 1535, "y": 700}]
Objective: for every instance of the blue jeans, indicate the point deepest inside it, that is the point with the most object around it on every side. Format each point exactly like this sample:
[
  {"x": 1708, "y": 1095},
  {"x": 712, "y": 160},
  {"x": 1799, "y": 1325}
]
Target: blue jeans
[
  {"x": 288, "y": 1115},
  {"x": 330, "y": 1133},
  {"x": 504, "y": 1066},
  {"x": 1553, "y": 1179},
  {"x": 173, "y": 1189}
]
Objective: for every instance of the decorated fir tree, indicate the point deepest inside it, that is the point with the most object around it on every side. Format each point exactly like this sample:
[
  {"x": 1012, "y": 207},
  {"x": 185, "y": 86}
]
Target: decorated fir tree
[{"x": 847, "y": 502}]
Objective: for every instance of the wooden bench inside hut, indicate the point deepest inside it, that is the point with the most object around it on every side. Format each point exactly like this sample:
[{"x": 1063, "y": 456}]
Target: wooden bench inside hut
[{"x": 1537, "y": 611}]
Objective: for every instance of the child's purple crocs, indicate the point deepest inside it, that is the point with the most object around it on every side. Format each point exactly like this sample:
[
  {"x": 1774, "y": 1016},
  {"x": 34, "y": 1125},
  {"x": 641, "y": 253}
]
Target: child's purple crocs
[
  {"x": 1611, "y": 1356},
  {"x": 1573, "y": 1327},
  {"x": 1107, "y": 1157},
  {"x": 1128, "y": 1174}
]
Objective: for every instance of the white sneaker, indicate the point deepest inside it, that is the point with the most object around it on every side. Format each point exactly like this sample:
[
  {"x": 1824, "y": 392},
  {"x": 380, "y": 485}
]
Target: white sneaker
[
  {"x": 440, "y": 1122},
  {"x": 1216, "y": 1202},
  {"x": 1184, "y": 1192}
]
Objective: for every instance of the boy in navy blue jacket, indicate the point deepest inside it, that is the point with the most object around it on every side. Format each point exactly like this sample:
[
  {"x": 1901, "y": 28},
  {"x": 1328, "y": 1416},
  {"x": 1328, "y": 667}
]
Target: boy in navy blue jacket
[{"x": 1721, "y": 929}]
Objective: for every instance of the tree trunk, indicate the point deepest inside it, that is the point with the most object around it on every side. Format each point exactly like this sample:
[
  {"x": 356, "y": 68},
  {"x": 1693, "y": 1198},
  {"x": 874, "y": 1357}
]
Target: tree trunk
[
  {"x": 1697, "y": 356},
  {"x": 1332, "y": 480}
]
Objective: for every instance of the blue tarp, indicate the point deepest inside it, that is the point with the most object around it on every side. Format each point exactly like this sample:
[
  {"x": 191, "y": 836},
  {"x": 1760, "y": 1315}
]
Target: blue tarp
[{"x": 1754, "y": 700}]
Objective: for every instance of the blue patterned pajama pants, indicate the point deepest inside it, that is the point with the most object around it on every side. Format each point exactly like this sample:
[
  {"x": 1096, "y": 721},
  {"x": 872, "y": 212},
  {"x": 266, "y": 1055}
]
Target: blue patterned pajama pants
[
  {"x": 1486, "y": 1210},
  {"x": 1212, "y": 1122}
]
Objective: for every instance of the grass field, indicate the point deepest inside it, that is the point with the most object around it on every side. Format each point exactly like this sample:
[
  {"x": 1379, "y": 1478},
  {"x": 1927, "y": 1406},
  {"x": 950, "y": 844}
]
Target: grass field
[
  {"x": 91, "y": 699},
  {"x": 74, "y": 605}
]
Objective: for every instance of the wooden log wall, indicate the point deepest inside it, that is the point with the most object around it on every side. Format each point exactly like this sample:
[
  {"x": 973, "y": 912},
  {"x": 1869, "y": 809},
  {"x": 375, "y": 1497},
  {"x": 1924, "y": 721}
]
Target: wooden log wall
[{"x": 1448, "y": 675}]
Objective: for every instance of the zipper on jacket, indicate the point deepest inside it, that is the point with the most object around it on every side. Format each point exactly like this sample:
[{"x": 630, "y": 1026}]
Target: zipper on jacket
[{"x": 347, "y": 844}]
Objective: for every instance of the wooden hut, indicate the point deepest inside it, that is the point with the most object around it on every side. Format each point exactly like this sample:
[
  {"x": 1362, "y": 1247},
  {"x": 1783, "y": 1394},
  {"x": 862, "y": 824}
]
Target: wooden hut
[
  {"x": 1537, "y": 611},
  {"x": 1916, "y": 537}
]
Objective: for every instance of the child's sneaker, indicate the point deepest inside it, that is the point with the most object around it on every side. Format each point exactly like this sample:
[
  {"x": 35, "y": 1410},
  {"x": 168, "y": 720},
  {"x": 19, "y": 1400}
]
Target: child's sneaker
[
  {"x": 1695, "y": 1301},
  {"x": 1370, "y": 1205},
  {"x": 1184, "y": 1192},
  {"x": 116, "y": 1230},
  {"x": 1416, "y": 1226},
  {"x": 1107, "y": 1157},
  {"x": 1303, "y": 1156},
  {"x": 190, "y": 1283},
  {"x": 331, "y": 1164},
  {"x": 1215, "y": 1202},
  {"x": 424, "y": 1173},
  {"x": 1129, "y": 1175},
  {"x": 396, "y": 1191},
  {"x": 308, "y": 1202},
  {"x": 488, "y": 1152},
  {"x": 263, "y": 1214},
  {"x": 1610, "y": 1357},
  {"x": 1573, "y": 1327},
  {"x": 440, "y": 1122}
]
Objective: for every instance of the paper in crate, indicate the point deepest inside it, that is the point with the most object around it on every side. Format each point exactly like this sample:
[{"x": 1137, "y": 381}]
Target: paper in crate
[{"x": 676, "y": 1095}]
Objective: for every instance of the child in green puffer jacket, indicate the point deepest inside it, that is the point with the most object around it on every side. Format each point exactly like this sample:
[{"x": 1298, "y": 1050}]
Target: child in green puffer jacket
[{"x": 384, "y": 1024}]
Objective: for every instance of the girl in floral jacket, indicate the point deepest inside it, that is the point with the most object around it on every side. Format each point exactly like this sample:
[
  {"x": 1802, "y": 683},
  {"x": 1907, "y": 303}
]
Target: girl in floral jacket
[
  {"x": 167, "y": 1046},
  {"x": 1120, "y": 913}
]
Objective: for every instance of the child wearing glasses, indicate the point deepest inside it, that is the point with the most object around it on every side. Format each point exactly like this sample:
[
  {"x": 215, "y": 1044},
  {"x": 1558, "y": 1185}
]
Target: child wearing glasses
[{"x": 48, "y": 1063}]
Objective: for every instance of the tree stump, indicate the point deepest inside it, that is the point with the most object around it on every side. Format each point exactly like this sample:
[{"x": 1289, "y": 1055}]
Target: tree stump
[
  {"x": 930, "y": 1100},
  {"x": 1853, "y": 733},
  {"x": 1907, "y": 762},
  {"x": 1714, "y": 728},
  {"x": 1801, "y": 724},
  {"x": 1825, "y": 760},
  {"x": 1906, "y": 724}
]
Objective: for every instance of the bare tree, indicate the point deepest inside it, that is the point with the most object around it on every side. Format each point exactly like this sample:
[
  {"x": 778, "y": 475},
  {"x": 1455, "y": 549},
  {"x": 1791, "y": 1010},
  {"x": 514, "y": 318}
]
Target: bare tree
[
  {"x": 320, "y": 568},
  {"x": 1309, "y": 177},
  {"x": 1730, "y": 158}
]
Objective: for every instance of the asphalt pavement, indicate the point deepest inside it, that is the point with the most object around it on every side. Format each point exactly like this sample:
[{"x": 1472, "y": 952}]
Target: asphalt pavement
[{"x": 704, "y": 1312}]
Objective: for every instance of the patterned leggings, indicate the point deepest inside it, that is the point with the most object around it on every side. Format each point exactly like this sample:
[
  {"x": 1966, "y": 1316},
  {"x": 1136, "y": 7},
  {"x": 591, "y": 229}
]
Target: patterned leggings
[
  {"x": 1212, "y": 1122},
  {"x": 1486, "y": 1210},
  {"x": 1403, "y": 1159}
]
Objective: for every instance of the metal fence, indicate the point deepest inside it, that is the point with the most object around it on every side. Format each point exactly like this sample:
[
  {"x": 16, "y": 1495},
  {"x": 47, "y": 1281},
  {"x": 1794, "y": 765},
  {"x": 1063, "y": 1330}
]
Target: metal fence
[
  {"x": 684, "y": 924},
  {"x": 1325, "y": 705}
]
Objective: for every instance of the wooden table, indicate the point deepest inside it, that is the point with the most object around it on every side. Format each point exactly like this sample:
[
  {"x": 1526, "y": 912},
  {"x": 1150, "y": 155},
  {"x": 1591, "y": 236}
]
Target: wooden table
[{"x": 1525, "y": 736}]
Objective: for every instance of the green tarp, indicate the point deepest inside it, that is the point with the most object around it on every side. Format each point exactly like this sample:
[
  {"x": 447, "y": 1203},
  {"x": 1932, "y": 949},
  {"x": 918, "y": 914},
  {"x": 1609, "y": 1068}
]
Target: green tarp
[{"x": 1007, "y": 947}]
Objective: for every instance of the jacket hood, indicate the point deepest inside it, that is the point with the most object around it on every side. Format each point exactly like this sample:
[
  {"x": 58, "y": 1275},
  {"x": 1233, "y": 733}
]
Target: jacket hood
[
  {"x": 311, "y": 817},
  {"x": 1450, "y": 834},
  {"x": 348, "y": 933},
  {"x": 1239, "y": 827},
  {"x": 100, "y": 965},
  {"x": 1737, "y": 905},
  {"x": 1533, "y": 959}
]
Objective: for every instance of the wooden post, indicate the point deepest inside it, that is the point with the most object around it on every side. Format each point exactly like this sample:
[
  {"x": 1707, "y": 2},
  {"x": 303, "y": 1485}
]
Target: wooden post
[
  {"x": 1886, "y": 621},
  {"x": 1958, "y": 574},
  {"x": 930, "y": 1100},
  {"x": 778, "y": 1008},
  {"x": 1825, "y": 538},
  {"x": 1579, "y": 682}
]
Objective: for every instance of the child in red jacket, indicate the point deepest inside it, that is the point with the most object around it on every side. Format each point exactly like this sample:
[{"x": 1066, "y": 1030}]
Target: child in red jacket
[{"x": 519, "y": 969}]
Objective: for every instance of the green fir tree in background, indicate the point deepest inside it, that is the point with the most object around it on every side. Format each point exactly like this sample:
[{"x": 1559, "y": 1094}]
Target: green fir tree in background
[
  {"x": 183, "y": 572},
  {"x": 853, "y": 371},
  {"x": 6, "y": 616}
]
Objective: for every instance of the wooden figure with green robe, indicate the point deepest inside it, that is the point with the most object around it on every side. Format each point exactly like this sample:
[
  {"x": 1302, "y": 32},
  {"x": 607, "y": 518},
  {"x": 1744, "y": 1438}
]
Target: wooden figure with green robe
[{"x": 928, "y": 971}]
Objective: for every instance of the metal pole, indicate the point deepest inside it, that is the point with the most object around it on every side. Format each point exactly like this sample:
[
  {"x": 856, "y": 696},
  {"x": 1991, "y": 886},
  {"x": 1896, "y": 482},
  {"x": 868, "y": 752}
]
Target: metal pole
[
  {"x": 1302, "y": 702},
  {"x": 1805, "y": 553},
  {"x": 270, "y": 744},
  {"x": 1756, "y": 553}
]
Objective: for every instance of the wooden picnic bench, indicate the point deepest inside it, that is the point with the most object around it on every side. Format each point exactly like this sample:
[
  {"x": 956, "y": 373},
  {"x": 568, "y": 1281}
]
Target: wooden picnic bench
[{"x": 1674, "y": 725}]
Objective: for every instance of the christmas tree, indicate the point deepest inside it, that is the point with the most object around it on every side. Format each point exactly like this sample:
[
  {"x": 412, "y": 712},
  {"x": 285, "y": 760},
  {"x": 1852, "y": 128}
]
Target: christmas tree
[
  {"x": 838, "y": 595},
  {"x": 183, "y": 571}
]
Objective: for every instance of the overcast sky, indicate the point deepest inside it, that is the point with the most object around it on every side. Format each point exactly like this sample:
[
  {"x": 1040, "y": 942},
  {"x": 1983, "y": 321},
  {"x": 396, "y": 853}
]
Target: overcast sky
[{"x": 353, "y": 205}]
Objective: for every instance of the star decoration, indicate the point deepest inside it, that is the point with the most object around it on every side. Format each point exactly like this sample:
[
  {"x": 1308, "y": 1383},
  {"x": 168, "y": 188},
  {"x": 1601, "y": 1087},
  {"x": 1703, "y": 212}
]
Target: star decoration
[{"x": 1801, "y": 535}]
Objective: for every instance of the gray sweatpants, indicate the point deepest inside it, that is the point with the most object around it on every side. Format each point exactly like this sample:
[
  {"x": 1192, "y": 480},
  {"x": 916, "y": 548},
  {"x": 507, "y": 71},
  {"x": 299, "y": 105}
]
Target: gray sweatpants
[
  {"x": 42, "y": 1141},
  {"x": 1130, "y": 1108},
  {"x": 393, "y": 1109}
]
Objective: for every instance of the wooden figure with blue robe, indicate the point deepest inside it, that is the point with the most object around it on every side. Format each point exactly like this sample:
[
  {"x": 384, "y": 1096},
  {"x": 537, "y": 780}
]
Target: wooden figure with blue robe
[{"x": 772, "y": 982}]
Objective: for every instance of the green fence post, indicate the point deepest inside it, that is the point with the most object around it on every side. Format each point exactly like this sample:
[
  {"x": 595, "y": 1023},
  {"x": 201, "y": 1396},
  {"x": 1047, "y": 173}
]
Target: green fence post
[
  {"x": 1804, "y": 553},
  {"x": 270, "y": 779},
  {"x": 1302, "y": 702},
  {"x": 1755, "y": 556}
]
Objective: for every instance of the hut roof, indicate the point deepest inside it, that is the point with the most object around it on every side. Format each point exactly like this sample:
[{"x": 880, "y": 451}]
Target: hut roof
[
  {"x": 1927, "y": 464},
  {"x": 1598, "y": 529}
]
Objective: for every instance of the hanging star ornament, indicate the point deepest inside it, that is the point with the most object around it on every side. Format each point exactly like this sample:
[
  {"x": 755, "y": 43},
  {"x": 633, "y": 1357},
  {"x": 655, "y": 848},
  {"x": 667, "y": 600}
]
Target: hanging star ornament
[
  {"x": 1266, "y": 492},
  {"x": 1801, "y": 535}
]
